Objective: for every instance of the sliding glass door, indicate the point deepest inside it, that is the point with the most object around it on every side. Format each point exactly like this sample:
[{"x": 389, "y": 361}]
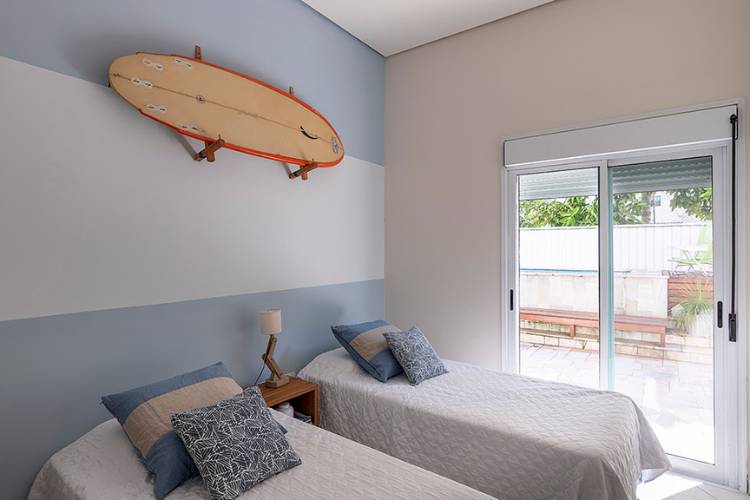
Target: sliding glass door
[
  {"x": 662, "y": 275},
  {"x": 618, "y": 281},
  {"x": 559, "y": 275}
]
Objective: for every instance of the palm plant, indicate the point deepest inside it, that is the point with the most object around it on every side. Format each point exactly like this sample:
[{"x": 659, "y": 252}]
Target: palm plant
[
  {"x": 692, "y": 307},
  {"x": 697, "y": 263}
]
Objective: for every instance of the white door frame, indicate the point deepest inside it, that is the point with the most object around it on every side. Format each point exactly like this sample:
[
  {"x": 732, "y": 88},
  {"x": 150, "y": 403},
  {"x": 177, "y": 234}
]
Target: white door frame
[
  {"x": 734, "y": 390},
  {"x": 725, "y": 353},
  {"x": 509, "y": 256}
]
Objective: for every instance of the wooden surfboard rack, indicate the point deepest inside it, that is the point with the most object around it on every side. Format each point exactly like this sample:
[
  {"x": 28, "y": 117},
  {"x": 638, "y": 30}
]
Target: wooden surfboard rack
[
  {"x": 304, "y": 170},
  {"x": 207, "y": 153}
]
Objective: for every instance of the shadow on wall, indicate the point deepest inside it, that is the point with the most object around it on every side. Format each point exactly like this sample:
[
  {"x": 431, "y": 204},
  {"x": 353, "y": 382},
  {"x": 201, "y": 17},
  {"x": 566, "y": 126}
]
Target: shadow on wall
[
  {"x": 298, "y": 339},
  {"x": 192, "y": 146},
  {"x": 92, "y": 54}
]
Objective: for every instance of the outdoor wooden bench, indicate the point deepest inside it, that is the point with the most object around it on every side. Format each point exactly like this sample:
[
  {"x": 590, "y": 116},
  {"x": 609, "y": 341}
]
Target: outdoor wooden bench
[{"x": 574, "y": 319}]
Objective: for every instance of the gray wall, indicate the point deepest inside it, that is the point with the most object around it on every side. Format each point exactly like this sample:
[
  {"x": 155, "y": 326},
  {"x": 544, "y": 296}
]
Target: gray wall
[
  {"x": 565, "y": 63},
  {"x": 122, "y": 261}
]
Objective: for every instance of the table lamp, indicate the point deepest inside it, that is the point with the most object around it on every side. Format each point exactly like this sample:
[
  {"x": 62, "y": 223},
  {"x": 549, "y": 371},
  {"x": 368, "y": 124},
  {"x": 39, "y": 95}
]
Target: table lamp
[{"x": 270, "y": 324}]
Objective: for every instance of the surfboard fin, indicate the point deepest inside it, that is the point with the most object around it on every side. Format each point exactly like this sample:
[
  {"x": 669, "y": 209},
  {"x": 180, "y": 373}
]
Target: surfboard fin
[
  {"x": 304, "y": 170},
  {"x": 308, "y": 134}
]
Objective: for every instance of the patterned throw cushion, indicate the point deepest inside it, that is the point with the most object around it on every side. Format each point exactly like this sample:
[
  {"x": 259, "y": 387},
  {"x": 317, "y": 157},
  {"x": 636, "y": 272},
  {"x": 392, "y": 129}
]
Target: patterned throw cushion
[
  {"x": 235, "y": 444},
  {"x": 365, "y": 343},
  {"x": 145, "y": 412},
  {"x": 415, "y": 354}
]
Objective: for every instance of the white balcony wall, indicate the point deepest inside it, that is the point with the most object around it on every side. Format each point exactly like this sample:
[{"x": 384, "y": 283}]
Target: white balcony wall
[
  {"x": 635, "y": 294},
  {"x": 646, "y": 248}
]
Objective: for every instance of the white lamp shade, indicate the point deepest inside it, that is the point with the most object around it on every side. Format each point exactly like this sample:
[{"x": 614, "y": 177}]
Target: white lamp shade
[{"x": 270, "y": 321}]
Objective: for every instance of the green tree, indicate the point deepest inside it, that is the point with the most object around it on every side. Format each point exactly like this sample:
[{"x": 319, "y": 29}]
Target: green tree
[
  {"x": 580, "y": 211},
  {"x": 627, "y": 208},
  {"x": 565, "y": 212},
  {"x": 697, "y": 202}
]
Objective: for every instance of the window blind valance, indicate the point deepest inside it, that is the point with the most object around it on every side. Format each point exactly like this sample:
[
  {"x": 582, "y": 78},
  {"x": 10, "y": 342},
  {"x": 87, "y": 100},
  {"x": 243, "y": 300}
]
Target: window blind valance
[{"x": 705, "y": 126}]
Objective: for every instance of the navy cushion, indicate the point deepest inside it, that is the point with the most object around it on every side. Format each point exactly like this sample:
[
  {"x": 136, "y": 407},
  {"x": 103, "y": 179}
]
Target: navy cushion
[
  {"x": 415, "y": 355},
  {"x": 236, "y": 444},
  {"x": 145, "y": 414},
  {"x": 366, "y": 344}
]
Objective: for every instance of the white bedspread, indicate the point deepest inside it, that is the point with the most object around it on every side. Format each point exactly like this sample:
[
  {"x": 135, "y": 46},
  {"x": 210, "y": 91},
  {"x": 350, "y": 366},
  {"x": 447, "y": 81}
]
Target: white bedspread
[
  {"x": 513, "y": 437},
  {"x": 102, "y": 465}
]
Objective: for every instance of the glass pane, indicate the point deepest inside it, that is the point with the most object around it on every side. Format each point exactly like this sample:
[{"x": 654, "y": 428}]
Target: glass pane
[
  {"x": 663, "y": 298},
  {"x": 559, "y": 280}
]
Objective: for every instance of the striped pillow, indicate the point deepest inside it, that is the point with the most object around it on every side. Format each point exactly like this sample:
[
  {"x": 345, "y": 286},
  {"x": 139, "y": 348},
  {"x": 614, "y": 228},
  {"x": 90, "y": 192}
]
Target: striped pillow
[
  {"x": 366, "y": 344},
  {"x": 145, "y": 414}
]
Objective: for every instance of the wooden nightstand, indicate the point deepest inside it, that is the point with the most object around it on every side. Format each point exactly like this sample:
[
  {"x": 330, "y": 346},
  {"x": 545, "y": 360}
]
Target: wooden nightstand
[{"x": 301, "y": 394}]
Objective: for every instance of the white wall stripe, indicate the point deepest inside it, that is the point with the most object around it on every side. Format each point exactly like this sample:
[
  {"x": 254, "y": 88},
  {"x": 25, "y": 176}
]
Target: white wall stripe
[{"x": 101, "y": 208}]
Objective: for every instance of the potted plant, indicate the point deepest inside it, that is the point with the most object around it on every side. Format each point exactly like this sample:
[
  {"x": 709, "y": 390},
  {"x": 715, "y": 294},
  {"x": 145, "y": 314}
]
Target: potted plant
[{"x": 695, "y": 314}]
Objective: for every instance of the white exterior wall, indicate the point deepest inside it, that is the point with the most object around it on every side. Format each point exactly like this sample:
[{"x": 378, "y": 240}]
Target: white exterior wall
[
  {"x": 635, "y": 294},
  {"x": 640, "y": 248}
]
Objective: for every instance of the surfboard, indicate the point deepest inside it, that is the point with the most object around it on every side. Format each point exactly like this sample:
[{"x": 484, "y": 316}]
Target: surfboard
[{"x": 208, "y": 102}]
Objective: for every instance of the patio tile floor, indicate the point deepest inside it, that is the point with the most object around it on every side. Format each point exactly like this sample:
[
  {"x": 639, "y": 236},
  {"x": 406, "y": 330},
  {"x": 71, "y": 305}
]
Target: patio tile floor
[{"x": 675, "y": 396}]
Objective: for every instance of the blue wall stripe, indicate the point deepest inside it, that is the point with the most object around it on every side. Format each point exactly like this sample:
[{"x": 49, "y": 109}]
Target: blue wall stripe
[
  {"x": 55, "y": 369},
  {"x": 283, "y": 42}
]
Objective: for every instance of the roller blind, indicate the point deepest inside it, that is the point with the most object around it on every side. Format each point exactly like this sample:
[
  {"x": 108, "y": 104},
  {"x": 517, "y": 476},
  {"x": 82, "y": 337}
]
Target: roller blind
[
  {"x": 662, "y": 175},
  {"x": 636, "y": 178},
  {"x": 563, "y": 184}
]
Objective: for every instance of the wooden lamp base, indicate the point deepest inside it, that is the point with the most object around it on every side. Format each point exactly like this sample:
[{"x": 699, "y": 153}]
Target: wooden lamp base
[
  {"x": 273, "y": 381},
  {"x": 277, "y": 378}
]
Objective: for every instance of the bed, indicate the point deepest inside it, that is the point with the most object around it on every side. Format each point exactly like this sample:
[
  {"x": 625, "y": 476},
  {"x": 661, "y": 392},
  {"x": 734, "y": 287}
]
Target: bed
[
  {"x": 509, "y": 436},
  {"x": 102, "y": 465}
]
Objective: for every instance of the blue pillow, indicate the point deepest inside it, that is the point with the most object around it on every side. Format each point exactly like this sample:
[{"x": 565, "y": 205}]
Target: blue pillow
[
  {"x": 366, "y": 344},
  {"x": 145, "y": 414}
]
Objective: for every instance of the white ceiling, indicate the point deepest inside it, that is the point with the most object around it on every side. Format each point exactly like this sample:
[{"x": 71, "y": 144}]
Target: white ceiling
[{"x": 391, "y": 26}]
